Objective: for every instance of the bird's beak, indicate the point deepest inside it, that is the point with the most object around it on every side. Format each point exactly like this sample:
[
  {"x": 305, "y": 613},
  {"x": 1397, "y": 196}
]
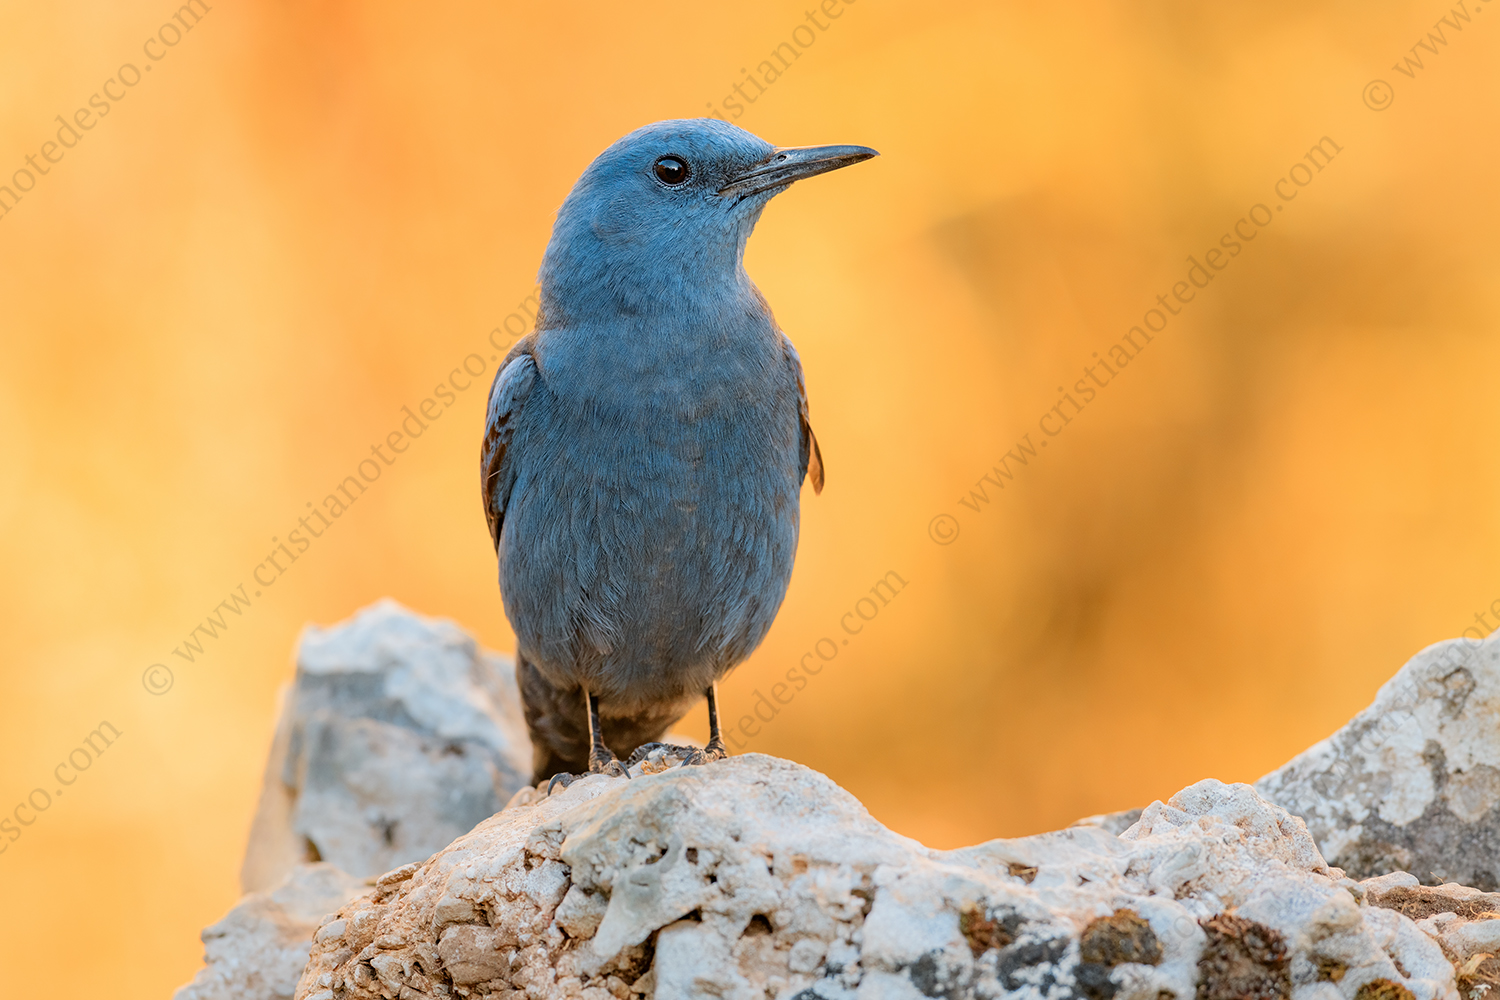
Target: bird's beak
[{"x": 792, "y": 163}]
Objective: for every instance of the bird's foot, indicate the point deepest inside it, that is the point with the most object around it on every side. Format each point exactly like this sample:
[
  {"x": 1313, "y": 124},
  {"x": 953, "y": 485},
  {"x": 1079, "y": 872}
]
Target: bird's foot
[
  {"x": 604, "y": 761},
  {"x": 654, "y": 757},
  {"x": 716, "y": 750}
]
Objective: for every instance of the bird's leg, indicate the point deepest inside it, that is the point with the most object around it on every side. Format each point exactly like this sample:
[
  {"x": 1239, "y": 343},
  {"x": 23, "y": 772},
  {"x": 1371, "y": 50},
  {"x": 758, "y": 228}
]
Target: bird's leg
[
  {"x": 602, "y": 759},
  {"x": 716, "y": 750}
]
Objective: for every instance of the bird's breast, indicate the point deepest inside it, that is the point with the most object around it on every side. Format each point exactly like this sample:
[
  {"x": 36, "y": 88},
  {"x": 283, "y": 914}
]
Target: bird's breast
[{"x": 654, "y": 517}]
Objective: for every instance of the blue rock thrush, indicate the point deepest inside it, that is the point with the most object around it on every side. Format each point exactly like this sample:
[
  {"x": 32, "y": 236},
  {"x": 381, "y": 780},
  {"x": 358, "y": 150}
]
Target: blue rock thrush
[{"x": 646, "y": 444}]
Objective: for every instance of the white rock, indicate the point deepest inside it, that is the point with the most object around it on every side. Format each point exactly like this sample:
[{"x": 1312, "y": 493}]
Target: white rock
[
  {"x": 399, "y": 735},
  {"x": 258, "y": 951},
  {"x": 756, "y": 877},
  {"x": 1413, "y": 781},
  {"x": 1458, "y": 922},
  {"x": 1474, "y": 937}
]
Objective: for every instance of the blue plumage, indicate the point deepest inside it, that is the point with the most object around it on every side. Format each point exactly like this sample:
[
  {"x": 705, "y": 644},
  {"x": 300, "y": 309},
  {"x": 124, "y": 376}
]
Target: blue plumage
[{"x": 645, "y": 446}]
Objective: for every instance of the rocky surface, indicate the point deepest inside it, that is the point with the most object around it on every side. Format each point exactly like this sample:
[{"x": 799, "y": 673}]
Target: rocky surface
[
  {"x": 1115, "y": 823},
  {"x": 398, "y": 735},
  {"x": 757, "y": 878},
  {"x": 1412, "y": 783},
  {"x": 260, "y": 947}
]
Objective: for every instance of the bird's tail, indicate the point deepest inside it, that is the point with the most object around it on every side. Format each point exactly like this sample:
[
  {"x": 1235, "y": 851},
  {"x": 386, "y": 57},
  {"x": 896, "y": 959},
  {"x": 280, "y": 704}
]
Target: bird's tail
[{"x": 558, "y": 720}]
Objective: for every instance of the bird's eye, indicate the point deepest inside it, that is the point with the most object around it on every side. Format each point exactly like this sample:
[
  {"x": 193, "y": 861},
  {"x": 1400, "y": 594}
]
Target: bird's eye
[{"x": 671, "y": 170}]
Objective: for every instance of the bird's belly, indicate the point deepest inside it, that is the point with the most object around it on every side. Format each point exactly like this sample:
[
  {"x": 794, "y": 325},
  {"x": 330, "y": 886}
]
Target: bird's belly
[{"x": 645, "y": 558}]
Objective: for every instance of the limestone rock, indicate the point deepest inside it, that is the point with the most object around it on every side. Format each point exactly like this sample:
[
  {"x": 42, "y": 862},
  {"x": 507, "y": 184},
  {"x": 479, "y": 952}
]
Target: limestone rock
[
  {"x": 258, "y": 951},
  {"x": 757, "y": 878},
  {"x": 1116, "y": 823},
  {"x": 1412, "y": 783},
  {"x": 398, "y": 735},
  {"x": 1465, "y": 921}
]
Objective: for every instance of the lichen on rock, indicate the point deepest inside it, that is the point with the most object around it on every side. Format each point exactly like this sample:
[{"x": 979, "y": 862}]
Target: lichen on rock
[
  {"x": 756, "y": 877},
  {"x": 1412, "y": 783}
]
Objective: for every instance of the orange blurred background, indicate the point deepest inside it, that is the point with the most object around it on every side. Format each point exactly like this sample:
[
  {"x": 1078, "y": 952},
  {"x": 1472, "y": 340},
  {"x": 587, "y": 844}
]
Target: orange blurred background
[{"x": 306, "y": 215}]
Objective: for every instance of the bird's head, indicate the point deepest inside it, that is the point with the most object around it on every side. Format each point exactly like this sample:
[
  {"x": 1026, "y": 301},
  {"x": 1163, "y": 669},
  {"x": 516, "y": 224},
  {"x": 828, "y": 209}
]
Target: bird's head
[{"x": 662, "y": 215}]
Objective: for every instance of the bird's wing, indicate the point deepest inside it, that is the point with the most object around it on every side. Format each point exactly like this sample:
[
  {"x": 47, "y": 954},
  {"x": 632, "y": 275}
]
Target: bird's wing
[
  {"x": 496, "y": 466},
  {"x": 812, "y": 457}
]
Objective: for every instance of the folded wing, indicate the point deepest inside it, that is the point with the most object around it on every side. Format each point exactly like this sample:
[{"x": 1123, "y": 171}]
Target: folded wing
[
  {"x": 497, "y": 462},
  {"x": 812, "y": 456}
]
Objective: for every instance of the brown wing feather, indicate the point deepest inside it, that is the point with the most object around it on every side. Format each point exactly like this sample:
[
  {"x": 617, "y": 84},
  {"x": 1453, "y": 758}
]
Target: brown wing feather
[
  {"x": 507, "y": 396},
  {"x": 813, "y": 456}
]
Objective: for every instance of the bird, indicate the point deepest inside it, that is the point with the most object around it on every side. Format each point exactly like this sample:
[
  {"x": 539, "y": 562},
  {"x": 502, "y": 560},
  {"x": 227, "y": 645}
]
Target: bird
[{"x": 645, "y": 447}]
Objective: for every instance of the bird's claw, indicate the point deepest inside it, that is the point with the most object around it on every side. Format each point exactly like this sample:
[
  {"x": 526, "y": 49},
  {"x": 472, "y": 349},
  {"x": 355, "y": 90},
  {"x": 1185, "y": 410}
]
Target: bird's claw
[
  {"x": 656, "y": 751},
  {"x": 599, "y": 764},
  {"x": 715, "y": 750},
  {"x": 653, "y": 757},
  {"x": 656, "y": 757},
  {"x": 607, "y": 763}
]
